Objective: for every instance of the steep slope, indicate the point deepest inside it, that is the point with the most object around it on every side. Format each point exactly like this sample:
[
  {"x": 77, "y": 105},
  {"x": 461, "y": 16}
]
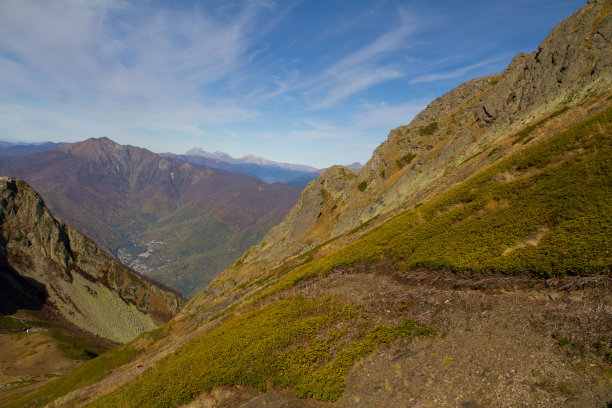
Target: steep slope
[
  {"x": 178, "y": 223},
  {"x": 496, "y": 293},
  {"x": 46, "y": 263},
  {"x": 461, "y": 132},
  {"x": 495, "y": 290}
]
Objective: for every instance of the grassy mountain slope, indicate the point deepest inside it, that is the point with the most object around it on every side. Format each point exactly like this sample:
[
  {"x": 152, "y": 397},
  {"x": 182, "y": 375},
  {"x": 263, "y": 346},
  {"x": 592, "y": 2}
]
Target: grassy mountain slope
[
  {"x": 459, "y": 133},
  {"x": 543, "y": 212},
  {"x": 178, "y": 223},
  {"x": 36, "y": 350},
  {"x": 475, "y": 272},
  {"x": 539, "y": 213},
  {"x": 47, "y": 265}
]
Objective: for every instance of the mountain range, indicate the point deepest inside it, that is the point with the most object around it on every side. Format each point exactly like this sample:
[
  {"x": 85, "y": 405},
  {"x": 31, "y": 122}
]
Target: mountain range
[
  {"x": 175, "y": 222},
  {"x": 297, "y": 175},
  {"x": 9, "y": 150},
  {"x": 467, "y": 264}
]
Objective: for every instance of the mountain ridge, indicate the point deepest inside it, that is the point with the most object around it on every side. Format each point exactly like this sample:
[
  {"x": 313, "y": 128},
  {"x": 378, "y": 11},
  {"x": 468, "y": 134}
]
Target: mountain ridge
[
  {"x": 80, "y": 281},
  {"x": 248, "y": 159},
  {"x": 466, "y": 265},
  {"x": 10, "y": 150},
  {"x": 455, "y": 128},
  {"x": 254, "y": 166},
  {"x": 126, "y": 197}
]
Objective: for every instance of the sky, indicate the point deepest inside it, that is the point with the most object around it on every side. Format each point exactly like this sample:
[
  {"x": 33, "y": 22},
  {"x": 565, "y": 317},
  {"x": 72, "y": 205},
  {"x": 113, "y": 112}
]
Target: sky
[{"x": 309, "y": 82}]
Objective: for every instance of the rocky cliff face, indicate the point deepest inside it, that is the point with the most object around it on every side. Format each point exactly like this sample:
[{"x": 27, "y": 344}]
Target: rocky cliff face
[
  {"x": 462, "y": 131},
  {"x": 46, "y": 263}
]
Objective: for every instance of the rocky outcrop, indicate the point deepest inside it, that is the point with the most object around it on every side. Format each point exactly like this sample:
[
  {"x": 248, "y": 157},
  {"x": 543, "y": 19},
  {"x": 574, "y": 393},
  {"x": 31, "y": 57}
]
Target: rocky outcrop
[
  {"x": 431, "y": 154},
  {"x": 569, "y": 64},
  {"x": 49, "y": 262}
]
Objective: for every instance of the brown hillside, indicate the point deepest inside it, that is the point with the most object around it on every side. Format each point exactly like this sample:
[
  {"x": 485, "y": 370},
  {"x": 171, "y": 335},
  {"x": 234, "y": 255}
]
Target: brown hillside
[{"x": 187, "y": 222}]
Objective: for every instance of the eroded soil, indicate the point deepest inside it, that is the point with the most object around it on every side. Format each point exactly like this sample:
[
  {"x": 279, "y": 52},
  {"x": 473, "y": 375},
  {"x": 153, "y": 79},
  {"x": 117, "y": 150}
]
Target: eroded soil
[{"x": 502, "y": 342}]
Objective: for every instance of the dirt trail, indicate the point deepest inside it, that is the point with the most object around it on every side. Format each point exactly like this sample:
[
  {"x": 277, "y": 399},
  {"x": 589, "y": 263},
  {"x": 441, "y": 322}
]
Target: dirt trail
[{"x": 502, "y": 342}]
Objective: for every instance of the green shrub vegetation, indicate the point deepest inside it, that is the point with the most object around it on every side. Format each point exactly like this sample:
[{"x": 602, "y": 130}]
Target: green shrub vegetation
[
  {"x": 494, "y": 151},
  {"x": 401, "y": 162},
  {"x": 520, "y": 135},
  {"x": 76, "y": 348},
  {"x": 297, "y": 343},
  {"x": 429, "y": 129},
  {"x": 86, "y": 374},
  {"x": 562, "y": 186},
  {"x": 362, "y": 186}
]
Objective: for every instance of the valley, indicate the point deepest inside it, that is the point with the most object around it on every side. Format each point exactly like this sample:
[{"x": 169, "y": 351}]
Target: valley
[
  {"x": 467, "y": 264},
  {"x": 124, "y": 197},
  {"x": 63, "y": 300}
]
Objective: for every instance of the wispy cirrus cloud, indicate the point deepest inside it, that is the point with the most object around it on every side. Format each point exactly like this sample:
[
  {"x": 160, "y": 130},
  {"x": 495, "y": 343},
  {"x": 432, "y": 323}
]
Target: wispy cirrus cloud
[
  {"x": 362, "y": 68},
  {"x": 115, "y": 57},
  {"x": 455, "y": 73},
  {"x": 385, "y": 116},
  {"x": 348, "y": 83}
]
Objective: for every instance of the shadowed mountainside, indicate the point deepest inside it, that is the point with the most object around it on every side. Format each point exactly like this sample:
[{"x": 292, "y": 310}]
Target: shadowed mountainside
[{"x": 47, "y": 263}]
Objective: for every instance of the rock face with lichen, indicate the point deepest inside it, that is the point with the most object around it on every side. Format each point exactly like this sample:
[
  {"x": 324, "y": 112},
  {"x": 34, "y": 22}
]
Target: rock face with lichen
[
  {"x": 46, "y": 263},
  {"x": 463, "y": 131}
]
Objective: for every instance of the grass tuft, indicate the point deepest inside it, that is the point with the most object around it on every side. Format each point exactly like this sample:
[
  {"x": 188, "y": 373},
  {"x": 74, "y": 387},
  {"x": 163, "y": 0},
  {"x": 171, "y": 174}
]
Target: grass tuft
[
  {"x": 405, "y": 160},
  {"x": 429, "y": 129}
]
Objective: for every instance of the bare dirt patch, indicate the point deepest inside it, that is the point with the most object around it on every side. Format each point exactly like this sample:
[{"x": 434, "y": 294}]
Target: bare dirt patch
[{"x": 502, "y": 341}]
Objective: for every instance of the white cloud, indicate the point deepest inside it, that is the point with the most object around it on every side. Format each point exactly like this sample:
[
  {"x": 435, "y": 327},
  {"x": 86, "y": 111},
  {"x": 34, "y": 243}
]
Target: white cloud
[
  {"x": 384, "y": 116},
  {"x": 360, "y": 69},
  {"x": 387, "y": 42},
  {"x": 351, "y": 82},
  {"x": 89, "y": 55},
  {"x": 319, "y": 130},
  {"x": 456, "y": 73}
]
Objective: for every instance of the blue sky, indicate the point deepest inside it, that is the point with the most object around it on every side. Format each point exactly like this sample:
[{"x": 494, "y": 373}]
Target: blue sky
[{"x": 311, "y": 82}]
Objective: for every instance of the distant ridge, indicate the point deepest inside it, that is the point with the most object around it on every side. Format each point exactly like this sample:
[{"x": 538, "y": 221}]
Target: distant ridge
[
  {"x": 248, "y": 159},
  {"x": 176, "y": 222},
  {"x": 297, "y": 175},
  {"x": 9, "y": 150}
]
